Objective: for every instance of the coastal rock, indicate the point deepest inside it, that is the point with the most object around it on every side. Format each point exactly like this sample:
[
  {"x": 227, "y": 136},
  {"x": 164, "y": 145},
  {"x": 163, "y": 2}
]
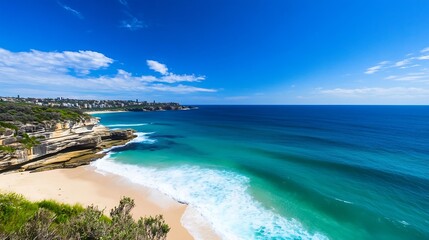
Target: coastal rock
[
  {"x": 122, "y": 134},
  {"x": 79, "y": 141},
  {"x": 9, "y": 140}
]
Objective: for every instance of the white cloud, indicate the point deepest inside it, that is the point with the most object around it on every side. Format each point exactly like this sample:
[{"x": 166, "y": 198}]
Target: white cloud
[
  {"x": 412, "y": 77},
  {"x": 172, "y": 78},
  {"x": 71, "y": 10},
  {"x": 132, "y": 24},
  {"x": 372, "y": 70},
  {"x": 179, "y": 88},
  {"x": 157, "y": 66},
  {"x": 376, "y": 68},
  {"x": 403, "y": 62},
  {"x": 409, "y": 62},
  {"x": 425, "y": 50},
  {"x": 392, "y": 92},
  {"x": 169, "y": 78},
  {"x": 410, "y": 66},
  {"x": 72, "y": 71},
  {"x": 81, "y": 61}
]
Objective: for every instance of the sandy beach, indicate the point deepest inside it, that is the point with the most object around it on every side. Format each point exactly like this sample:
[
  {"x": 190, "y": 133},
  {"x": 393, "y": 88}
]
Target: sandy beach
[{"x": 85, "y": 186}]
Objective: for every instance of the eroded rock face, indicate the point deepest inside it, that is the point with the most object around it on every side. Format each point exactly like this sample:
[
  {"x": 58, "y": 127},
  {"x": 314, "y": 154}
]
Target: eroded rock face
[
  {"x": 55, "y": 138},
  {"x": 121, "y": 134}
]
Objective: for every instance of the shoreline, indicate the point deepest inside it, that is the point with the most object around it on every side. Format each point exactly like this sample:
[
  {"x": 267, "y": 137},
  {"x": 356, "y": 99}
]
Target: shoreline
[{"x": 86, "y": 186}]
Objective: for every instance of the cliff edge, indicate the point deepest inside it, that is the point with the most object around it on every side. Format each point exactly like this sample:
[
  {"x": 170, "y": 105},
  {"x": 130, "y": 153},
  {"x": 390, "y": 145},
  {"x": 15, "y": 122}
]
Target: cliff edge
[{"x": 55, "y": 143}]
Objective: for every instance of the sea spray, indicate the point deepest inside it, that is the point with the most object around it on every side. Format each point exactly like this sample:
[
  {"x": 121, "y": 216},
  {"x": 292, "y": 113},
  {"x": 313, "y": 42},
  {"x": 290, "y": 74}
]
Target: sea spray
[{"x": 220, "y": 197}]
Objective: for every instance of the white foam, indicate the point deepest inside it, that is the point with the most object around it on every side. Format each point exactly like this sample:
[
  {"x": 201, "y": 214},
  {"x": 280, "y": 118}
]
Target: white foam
[
  {"x": 142, "y": 137},
  {"x": 344, "y": 201},
  {"x": 220, "y": 197},
  {"x": 197, "y": 225},
  {"x": 127, "y": 125}
]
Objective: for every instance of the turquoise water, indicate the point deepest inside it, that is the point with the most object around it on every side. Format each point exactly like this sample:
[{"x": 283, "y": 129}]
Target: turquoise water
[{"x": 286, "y": 172}]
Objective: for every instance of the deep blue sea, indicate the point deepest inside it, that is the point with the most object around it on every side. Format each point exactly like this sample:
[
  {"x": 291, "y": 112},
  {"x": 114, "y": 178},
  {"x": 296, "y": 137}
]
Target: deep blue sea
[{"x": 285, "y": 172}]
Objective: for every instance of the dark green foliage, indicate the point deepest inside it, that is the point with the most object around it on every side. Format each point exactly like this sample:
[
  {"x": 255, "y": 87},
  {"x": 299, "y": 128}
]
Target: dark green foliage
[
  {"x": 8, "y": 125},
  {"x": 7, "y": 149},
  {"x": 28, "y": 141},
  {"x": 123, "y": 225},
  {"x": 122, "y": 212},
  {"x": 22, "y": 219},
  {"x": 4, "y": 126},
  {"x": 23, "y": 112},
  {"x": 153, "y": 227}
]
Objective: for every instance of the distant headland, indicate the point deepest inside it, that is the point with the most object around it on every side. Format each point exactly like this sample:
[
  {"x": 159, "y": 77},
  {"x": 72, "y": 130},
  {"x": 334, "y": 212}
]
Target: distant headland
[{"x": 98, "y": 105}]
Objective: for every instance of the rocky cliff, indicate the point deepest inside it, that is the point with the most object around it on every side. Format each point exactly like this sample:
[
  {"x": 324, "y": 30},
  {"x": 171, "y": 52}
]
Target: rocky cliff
[{"x": 55, "y": 144}]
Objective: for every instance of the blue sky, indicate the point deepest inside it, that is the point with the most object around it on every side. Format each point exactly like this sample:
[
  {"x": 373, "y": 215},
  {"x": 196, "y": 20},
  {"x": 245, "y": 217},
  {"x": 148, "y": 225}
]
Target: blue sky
[{"x": 217, "y": 52}]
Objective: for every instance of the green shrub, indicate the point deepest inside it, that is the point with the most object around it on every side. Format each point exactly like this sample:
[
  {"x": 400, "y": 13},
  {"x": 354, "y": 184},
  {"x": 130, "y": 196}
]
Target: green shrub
[
  {"x": 28, "y": 141},
  {"x": 89, "y": 224},
  {"x": 8, "y": 125},
  {"x": 22, "y": 219},
  {"x": 7, "y": 149},
  {"x": 153, "y": 227}
]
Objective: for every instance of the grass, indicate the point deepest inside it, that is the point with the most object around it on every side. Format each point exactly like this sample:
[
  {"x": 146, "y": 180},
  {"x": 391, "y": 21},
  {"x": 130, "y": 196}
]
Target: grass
[{"x": 15, "y": 211}]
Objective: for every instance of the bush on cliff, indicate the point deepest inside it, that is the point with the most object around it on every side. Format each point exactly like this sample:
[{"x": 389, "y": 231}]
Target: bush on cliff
[
  {"x": 7, "y": 149},
  {"x": 29, "y": 142},
  {"x": 22, "y": 219}
]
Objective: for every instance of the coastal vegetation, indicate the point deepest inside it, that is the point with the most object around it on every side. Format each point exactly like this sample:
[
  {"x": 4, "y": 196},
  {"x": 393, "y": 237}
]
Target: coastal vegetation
[
  {"x": 7, "y": 149},
  {"x": 27, "y": 113},
  {"x": 49, "y": 220},
  {"x": 14, "y": 115},
  {"x": 29, "y": 142}
]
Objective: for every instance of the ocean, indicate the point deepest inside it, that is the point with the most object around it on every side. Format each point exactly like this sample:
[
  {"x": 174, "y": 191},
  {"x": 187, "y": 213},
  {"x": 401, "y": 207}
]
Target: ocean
[{"x": 285, "y": 172}]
